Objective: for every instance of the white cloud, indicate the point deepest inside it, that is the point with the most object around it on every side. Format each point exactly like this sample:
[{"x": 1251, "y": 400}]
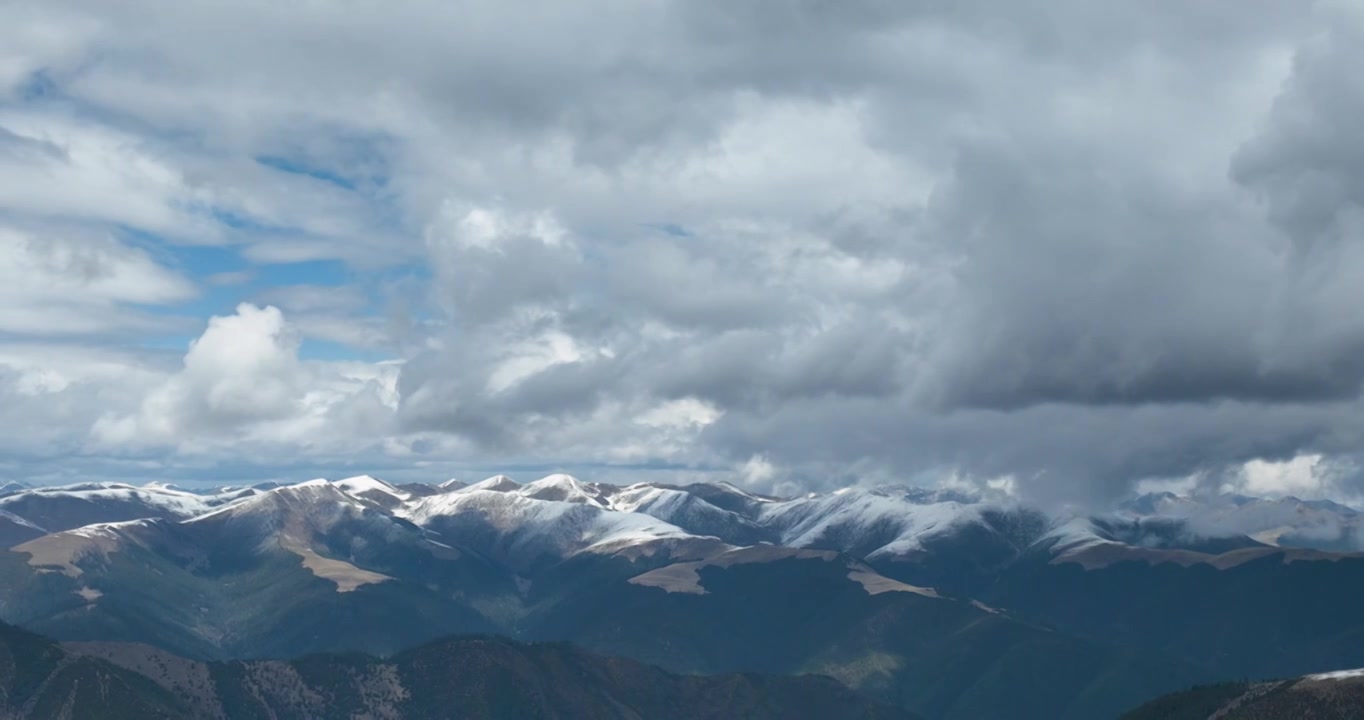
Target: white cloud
[
  {"x": 758, "y": 471},
  {"x": 58, "y": 280},
  {"x": 680, "y": 413},
  {"x": 1308, "y": 476},
  {"x": 35, "y": 38},
  {"x": 242, "y": 382},
  {"x": 59, "y": 167}
]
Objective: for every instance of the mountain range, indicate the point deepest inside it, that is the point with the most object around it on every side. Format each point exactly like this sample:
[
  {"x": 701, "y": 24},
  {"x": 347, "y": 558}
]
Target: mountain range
[
  {"x": 943, "y": 603},
  {"x": 476, "y": 678}
]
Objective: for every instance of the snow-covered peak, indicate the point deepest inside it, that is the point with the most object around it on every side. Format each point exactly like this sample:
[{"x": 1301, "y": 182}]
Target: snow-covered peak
[
  {"x": 154, "y": 499},
  {"x": 452, "y": 484},
  {"x": 692, "y": 510},
  {"x": 564, "y": 488},
  {"x": 297, "y": 516},
  {"x": 731, "y": 487},
  {"x": 1070, "y": 535},
  {"x": 523, "y": 530},
  {"x": 868, "y": 522},
  {"x": 312, "y": 497},
  {"x": 634, "y": 497},
  {"x": 12, "y": 487},
  {"x": 496, "y": 483},
  {"x": 374, "y": 489}
]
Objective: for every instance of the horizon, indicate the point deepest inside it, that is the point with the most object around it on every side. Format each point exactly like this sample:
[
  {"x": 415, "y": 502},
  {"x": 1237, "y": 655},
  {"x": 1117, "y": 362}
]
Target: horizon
[{"x": 973, "y": 494}]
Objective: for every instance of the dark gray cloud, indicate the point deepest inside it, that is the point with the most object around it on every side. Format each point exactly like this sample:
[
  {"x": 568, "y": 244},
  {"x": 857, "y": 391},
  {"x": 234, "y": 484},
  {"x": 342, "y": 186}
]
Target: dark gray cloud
[
  {"x": 1097, "y": 284},
  {"x": 1308, "y": 163},
  {"x": 1082, "y": 284}
]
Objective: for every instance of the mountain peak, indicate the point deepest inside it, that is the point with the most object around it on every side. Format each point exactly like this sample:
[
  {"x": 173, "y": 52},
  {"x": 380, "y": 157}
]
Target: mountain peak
[
  {"x": 496, "y": 483},
  {"x": 305, "y": 498},
  {"x": 560, "y": 487},
  {"x": 373, "y": 489}
]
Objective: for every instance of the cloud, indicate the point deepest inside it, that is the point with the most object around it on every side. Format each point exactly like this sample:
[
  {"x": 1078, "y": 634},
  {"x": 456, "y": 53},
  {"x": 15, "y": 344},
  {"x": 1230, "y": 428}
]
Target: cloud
[
  {"x": 65, "y": 168},
  {"x": 1071, "y": 247},
  {"x": 242, "y": 381},
  {"x": 52, "y": 390},
  {"x": 1306, "y": 163},
  {"x": 64, "y": 280}
]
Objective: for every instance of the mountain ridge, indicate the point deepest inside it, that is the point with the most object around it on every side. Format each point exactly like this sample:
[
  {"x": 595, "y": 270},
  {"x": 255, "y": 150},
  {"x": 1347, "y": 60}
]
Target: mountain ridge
[
  {"x": 471, "y": 678},
  {"x": 698, "y": 578}
]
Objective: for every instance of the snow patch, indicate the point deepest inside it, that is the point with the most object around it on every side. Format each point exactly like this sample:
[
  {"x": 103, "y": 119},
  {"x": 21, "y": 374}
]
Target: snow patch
[
  {"x": 1337, "y": 675},
  {"x": 20, "y": 521}
]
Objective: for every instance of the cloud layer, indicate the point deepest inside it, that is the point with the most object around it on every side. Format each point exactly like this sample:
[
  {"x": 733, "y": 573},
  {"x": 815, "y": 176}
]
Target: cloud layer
[{"x": 795, "y": 244}]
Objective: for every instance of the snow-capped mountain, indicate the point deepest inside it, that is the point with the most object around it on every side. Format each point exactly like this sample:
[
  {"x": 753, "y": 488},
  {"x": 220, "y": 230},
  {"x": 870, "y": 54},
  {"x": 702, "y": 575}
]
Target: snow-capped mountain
[
  {"x": 895, "y": 581},
  {"x": 693, "y": 509},
  {"x": 374, "y": 490},
  {"x": 875, "y": 523},
  {"x": 67, "y": 507},
  {"x": 559, "y": 515},
  {"x": 11, "y": 487},
  {"x": 296, "y": 513},
  {"x": 561, "y": 488},
  {"x": 519, "y": 528}
]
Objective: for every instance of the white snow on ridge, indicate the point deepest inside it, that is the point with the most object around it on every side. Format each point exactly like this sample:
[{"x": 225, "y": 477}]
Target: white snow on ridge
[
  {"x": 19, "y": 521},
  {"x": 322, "y": 502},
  {"x": 58, "y": 552},
  {"x": 496, "y": 483},
  {"x": 363, "y": 484},
  {"x": 647, "y": 498},
  {"x": 533, "y": 525},
  {"x": 177, "y": 503},
  {"x": 872, "y": 522},
  {"x": 563, "y": 488},
  {"x": 736, "y": 489},
  {"x": 855, "y": 514},
  {"x": 1337, "y": 675},
  {"x": 1073, "y": 534},
  {"x": 106, "y": 530}
]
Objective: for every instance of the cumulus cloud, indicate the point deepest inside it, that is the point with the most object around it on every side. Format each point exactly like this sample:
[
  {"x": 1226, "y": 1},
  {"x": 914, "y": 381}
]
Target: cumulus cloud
[{"x": 242, "y": 379}]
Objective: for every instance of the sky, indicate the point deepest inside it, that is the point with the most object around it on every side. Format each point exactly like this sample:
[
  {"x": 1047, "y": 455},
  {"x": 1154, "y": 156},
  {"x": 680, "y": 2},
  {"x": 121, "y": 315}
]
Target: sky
[{"x": 1064, "y": 248}]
